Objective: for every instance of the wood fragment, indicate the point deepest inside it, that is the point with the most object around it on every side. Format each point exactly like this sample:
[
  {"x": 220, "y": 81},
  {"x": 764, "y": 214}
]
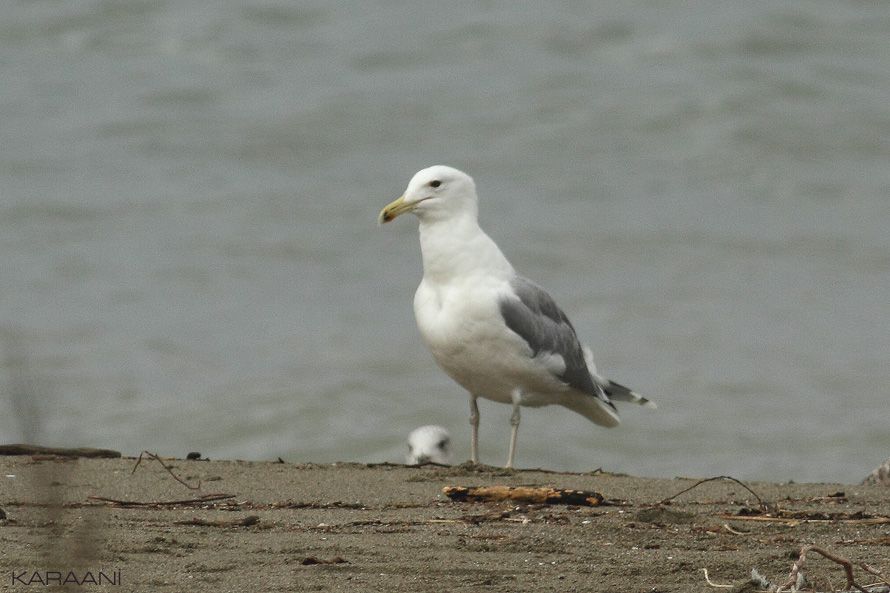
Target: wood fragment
[
  {"x": 243, "y": 522},
  {"x": 524, "y": 494},
  {"x": 20, "y": 449}
]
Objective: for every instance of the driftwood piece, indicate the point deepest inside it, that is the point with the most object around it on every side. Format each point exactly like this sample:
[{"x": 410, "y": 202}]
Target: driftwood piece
[
  {"x": 20, "y": 449},
  {"x": 523, "y": 494}
]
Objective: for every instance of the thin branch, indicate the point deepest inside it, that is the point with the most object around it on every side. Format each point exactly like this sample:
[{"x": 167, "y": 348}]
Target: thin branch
[
  {"x": 763, "y": 505},
  {"x": 166, "y": 467},
  {"x": 795, "y": 521},
  {"x": 162, "y": 503},
  {"x": 541, "y": 470}
]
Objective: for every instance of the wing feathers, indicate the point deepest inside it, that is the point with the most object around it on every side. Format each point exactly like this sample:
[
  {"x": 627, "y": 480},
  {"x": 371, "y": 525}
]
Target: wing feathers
[{"x": 535, "y": 317}]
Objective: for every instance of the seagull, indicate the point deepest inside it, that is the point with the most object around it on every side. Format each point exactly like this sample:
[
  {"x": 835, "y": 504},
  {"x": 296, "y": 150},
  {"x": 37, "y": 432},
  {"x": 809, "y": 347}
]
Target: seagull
[
  {"x": 497, "y": 334},
  {"x": 429, "y": 444}
]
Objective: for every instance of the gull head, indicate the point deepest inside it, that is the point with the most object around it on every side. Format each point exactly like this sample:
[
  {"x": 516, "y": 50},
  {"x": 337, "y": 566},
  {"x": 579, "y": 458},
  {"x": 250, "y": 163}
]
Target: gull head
[
  {"x": 429, "y": 443},
  {"x": 435, "y": 193}
]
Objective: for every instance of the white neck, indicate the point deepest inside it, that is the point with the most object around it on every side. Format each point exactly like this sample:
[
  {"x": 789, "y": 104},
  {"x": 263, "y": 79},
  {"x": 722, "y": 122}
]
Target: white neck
[{"x": 458, "y": 247}]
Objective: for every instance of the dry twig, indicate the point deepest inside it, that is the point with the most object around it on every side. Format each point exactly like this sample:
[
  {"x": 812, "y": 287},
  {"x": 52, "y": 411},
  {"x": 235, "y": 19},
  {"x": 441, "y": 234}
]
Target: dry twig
[
  {"x": 166, "y": 467},
  {"x": 793, "y": 521},
  {"x": 163, "y": 503},
  {"x": 763, "y": 505}
]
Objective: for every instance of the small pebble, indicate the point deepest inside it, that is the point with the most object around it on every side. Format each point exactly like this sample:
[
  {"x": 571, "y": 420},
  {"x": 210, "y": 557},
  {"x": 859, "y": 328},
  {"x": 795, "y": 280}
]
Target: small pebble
[{"x": 193, "y": 455}]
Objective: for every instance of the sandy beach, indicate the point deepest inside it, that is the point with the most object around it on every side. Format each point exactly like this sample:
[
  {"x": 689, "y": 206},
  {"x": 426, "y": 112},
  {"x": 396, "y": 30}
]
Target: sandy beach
[{"x": 281, "y": 526}]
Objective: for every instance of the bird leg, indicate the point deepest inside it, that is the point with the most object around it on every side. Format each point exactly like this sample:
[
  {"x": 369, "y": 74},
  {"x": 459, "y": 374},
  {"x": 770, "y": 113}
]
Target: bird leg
[
  {"x": 474, "y": 423},
  {"x": 514, "y": 427}
]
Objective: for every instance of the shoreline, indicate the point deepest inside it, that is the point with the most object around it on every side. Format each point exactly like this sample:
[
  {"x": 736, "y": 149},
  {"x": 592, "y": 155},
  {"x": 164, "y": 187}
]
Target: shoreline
[{"x": 210, "y": 526}]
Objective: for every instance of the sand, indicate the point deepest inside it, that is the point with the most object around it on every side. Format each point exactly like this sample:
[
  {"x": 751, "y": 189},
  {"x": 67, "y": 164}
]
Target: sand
[{"x": 351, "y": 527}]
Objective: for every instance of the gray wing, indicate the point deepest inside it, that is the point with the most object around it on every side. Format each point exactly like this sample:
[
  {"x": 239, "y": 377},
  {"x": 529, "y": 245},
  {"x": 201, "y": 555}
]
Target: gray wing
[{"x": 543, "y": 325}]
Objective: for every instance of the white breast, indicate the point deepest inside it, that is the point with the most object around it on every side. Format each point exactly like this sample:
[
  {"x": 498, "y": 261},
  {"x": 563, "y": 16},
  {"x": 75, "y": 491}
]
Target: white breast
[{"x": 463, "y": 328}]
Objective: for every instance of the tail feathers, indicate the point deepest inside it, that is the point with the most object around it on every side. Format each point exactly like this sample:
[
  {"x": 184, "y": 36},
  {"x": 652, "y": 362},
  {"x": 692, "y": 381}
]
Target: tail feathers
[
  {"x": 614, "y": 391},
  {"x": 620, "y": 393},
  {"x": 594, "y": 409}
]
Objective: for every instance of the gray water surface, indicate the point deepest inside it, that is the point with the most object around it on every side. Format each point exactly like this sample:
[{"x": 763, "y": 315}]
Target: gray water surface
[{"x": 188, "y": 194}]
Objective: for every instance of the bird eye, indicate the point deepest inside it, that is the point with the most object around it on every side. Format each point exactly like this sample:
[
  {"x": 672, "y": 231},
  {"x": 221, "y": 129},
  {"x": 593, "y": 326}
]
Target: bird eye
[
  {"x": 442, "y": 444},
  {"x": 435, "y": 183}
]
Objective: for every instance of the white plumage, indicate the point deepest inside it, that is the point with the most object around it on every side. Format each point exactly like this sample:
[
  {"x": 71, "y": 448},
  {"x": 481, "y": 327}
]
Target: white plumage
[
  {"x": 429, "y": 444},
  {"x": 499, "y": 335}
]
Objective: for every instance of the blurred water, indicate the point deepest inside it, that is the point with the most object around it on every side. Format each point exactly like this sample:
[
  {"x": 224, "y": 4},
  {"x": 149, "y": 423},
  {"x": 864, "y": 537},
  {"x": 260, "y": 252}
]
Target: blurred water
[{"x": 188, "y": 193}]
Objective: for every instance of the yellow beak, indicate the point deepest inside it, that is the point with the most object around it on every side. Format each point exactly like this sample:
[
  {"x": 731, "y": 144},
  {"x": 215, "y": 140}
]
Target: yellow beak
[{"x": 393, "y": 209}]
